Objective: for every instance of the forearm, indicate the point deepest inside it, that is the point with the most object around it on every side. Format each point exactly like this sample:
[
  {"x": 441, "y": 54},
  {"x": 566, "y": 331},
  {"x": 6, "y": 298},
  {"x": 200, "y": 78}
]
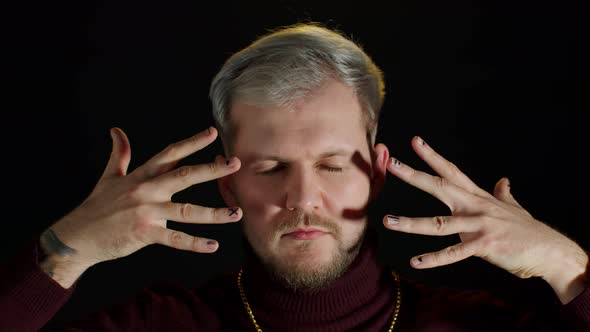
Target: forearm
[{"x": 28, "y": 298}]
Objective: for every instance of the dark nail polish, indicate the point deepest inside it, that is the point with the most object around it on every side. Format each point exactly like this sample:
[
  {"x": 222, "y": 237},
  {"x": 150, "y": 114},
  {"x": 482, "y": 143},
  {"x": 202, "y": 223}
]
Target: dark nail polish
[{"x": 392, "y": 220}]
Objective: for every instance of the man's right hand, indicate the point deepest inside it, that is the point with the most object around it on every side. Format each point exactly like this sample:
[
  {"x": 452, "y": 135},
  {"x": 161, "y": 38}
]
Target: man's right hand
[{"x": 126, "y": 212}]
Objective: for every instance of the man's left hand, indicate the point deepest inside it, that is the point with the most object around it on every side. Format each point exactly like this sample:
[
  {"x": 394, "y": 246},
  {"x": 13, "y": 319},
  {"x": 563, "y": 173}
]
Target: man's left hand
[{"x": 493, "y": 227}]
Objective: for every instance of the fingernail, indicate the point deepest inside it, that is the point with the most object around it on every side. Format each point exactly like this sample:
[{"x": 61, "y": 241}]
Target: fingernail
[
  {"x": 421, "y": 141},
  {"x": 392, "y": 220},
  {"x": 417, "y": 260},
  {"x": 212, "y": 244},
  {"x": 395, "y": 163},
  {"x": 507, "y": 182},
  {"x": 233, "y": 211}
]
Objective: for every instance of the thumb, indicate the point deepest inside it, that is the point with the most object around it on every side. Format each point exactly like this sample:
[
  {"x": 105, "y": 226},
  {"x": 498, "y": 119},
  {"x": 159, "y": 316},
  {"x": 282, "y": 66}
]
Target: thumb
[
  {"x": 120, "y": 155},
  {"x": 502, "y": 192}
]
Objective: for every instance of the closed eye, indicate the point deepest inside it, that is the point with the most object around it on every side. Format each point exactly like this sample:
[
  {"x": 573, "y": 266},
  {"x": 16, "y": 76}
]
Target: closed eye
[
  {"x": 280, "y": 167},
  {"x": 275, "y": 169},
  {"x": 331, "y": 169}
]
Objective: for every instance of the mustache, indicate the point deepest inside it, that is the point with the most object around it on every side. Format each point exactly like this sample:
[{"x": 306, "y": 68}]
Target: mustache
[{"x": 301, "y": 218}]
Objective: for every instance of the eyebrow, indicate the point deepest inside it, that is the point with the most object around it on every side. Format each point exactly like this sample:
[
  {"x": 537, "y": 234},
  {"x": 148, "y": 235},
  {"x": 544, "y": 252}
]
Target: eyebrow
[{"x": 326, "y": 154}]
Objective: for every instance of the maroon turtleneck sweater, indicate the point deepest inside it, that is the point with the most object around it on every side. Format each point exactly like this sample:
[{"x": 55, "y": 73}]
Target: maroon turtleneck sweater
[{"x": 361, "y": 300}]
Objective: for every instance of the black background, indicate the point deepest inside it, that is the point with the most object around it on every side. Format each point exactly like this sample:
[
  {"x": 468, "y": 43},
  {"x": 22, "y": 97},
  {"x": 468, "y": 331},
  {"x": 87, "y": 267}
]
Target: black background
[{"x": 497, "y": 87}]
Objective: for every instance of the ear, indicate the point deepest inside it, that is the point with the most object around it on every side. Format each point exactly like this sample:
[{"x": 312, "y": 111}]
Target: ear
[
  {"x": 225, "y": 188},
  {"x": 379, "y": 165},
  {"x": 224, "y": 184}
]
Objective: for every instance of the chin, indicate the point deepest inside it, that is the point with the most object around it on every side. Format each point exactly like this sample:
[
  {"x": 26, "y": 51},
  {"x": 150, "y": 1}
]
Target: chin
[
  {"x": 308, "y": 264},
  {"x": 310, "y": 259}
]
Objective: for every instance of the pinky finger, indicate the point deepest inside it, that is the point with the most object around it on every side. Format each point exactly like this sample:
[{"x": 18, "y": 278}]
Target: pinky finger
[
  {"x": 448, "y": 255},
  {"x": 179, "y": 240}
]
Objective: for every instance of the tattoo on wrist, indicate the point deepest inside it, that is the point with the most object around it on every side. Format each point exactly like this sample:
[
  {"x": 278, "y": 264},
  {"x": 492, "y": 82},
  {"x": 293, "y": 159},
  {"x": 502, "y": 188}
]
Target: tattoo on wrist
[
  {"x": 51, "y": 244},
  {"x": 47, "y": 267}
]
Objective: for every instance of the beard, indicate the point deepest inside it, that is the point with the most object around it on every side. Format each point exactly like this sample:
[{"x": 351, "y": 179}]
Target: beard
[{"x": 295, "y": 273}]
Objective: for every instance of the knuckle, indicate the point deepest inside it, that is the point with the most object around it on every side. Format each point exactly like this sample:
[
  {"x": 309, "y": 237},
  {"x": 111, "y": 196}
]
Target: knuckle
[
  {"x": 141, "y": 212},
  {"x": 175, "y": 239},
  {"x": 487, "y": 205},
  {"x": 195, "y": 139},
  {"x": 213, "y": 167},
  {"x": 137, "y": 192},
  {"x": 453, "y": 169},
  {"x": 490, "y": 242},
  {"x": 141, "y": 232},
  {"x": 440, "y": 222},
  {"x": 182, "y": 172},
  {"x": 487, "y": 221},
  {"x": 453, "y": 252},
  {"x": 171, "y": 150},
  {"x": 436, "y": 258},
  {"x": 186, "y": 210},
  {"x": 440, "y": 182}
]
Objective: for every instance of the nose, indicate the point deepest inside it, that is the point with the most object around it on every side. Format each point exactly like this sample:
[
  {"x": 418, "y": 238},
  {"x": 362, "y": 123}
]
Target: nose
[{"x": 302, "y": 190}]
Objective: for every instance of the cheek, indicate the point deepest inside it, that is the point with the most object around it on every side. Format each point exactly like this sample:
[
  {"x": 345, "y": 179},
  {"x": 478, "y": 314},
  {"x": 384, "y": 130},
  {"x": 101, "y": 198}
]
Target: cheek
[
  {"x": 349, "y": 190},
  {"x": 256, "y": 201},
  {"x": 254, "y": 193}
]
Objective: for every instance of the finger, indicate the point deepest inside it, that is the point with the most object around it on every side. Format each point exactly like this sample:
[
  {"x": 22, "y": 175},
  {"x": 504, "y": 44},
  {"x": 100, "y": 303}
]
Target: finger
[
  {"x": 437, "y": 186},
  {"x": 438, "y": 226},
  {"x": 449, "y": 255},
  {"x": 502, "y": 193},
  {"x": 120, "y": 154},
  {"x": 186, "y": 176},
  {"x": 171, "y": 155},
  {"x": 189, "y": 213},
  {"x": 445, "y": 168},
  {"x": 182, "y": 241}
]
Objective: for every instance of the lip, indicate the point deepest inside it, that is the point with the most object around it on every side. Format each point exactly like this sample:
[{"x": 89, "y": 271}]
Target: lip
[{"x": 305, "y": 234}]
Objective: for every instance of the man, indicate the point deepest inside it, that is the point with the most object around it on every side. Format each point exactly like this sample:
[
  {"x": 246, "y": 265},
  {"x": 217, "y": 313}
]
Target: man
[{"x": 297, "y": 112}]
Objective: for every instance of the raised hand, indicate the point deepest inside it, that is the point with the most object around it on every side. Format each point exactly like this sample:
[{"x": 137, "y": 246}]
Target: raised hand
[
  {"x": 126, "y": 212},
  {"x": 494, "y": 227}
]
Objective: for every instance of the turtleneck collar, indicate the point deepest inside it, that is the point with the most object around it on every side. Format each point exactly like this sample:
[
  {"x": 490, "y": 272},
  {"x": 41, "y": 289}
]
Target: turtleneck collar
[{"x": 362, "y": 295}]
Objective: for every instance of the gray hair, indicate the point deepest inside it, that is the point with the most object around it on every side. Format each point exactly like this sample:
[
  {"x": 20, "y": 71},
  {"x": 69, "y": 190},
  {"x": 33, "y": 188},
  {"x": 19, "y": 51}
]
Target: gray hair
[{"x": 288, "y": 64}]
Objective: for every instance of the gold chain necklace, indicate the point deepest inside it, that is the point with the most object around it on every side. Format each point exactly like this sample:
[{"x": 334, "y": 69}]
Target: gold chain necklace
[{"x": 398, "y": 299}]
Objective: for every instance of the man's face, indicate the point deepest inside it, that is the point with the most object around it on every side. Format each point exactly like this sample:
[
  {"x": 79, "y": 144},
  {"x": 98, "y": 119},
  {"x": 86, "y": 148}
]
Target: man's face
[{"x": 304, "y": 184}]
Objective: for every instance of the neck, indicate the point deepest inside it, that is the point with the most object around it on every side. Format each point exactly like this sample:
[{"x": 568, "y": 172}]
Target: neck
[{"x": 364, "y": 290}]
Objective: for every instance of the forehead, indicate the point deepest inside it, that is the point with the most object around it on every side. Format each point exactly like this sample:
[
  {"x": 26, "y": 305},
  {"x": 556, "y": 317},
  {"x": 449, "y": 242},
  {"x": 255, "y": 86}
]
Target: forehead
[{"x": 330, "y": 119}]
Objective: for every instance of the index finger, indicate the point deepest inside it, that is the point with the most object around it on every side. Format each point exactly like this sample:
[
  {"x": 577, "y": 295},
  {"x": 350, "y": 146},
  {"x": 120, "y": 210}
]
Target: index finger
[
  {"x": 445, "y": 168},
  {"x": 437, "y": 186},
  {"x": 173, "y": 153},
  {"x": 186, "y": 176}
]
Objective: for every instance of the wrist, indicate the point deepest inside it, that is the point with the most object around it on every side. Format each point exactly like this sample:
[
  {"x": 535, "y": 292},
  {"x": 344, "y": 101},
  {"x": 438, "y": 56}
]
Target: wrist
[
  {"x": 569, "y": 276},
  {"x": 65, "y": 270},
  {"x": 59, "y": 261}
]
